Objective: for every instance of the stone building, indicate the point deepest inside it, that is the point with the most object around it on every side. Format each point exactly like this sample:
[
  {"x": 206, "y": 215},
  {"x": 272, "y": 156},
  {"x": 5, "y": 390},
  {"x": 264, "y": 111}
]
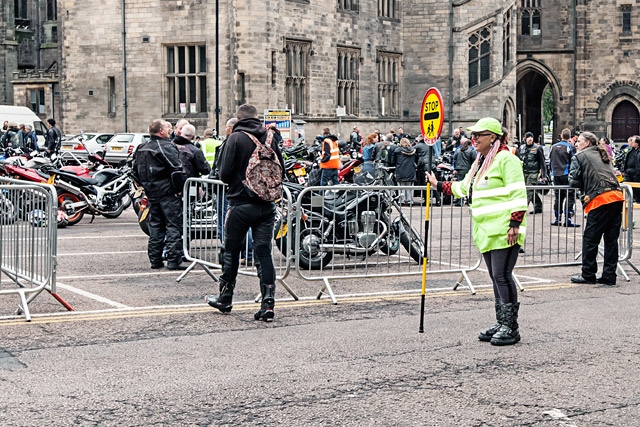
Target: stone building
[
  {"x": 30, "y": 55},
  {"x": 375, "y": 58}
]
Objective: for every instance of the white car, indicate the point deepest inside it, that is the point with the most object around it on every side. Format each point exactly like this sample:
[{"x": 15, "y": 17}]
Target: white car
[
  {"x": 121, "y": 145},
  {"x": 85, "y": 143}
]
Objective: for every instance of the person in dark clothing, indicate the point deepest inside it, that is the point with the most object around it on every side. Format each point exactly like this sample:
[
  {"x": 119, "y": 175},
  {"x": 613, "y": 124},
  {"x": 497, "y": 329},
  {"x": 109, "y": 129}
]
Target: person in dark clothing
[
  {"x": 534, "y": 167},
  {"x": 405, "y": 163},
  {"x": 10, "y": 139},
  {"x": 192, "y": 158},
  {"x": 53, "y": 139},
  {"x": 463, "y": 158},
  {"x": 560, "y": 159},
  {"x": 592, "y": 172},
  {"x": 422, "y": 160},
  {"x": 156, "y": 165},
  {"x": 355, "y": 139},
  {"x": 30, "y": 140},
  {"x": 632, "y": 166},
  {"x": 246, "y": 211},
  {"x": 277, "y": 137},
  {"x": 454, "y": 141}
]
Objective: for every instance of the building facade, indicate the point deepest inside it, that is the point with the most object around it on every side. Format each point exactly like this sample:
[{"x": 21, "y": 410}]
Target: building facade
[
  {"x": 30, "y": 55},
  {"x": 200, "y": 59}
]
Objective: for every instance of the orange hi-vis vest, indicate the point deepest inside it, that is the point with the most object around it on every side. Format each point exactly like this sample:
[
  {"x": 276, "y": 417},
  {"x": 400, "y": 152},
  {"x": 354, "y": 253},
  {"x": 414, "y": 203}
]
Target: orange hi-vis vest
[{"x": 334, "y": 161}]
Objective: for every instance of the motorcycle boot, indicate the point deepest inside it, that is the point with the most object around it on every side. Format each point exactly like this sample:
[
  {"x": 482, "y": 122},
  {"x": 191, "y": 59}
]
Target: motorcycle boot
[
  {"x": 223, "y": 302},
  {"x": 490, "y": 332},
  {"x": 268, "y": 302}
]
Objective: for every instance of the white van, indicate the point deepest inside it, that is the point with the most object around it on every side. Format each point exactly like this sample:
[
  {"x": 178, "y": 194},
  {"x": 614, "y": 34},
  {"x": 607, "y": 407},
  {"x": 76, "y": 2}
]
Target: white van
[{"x": 23, "y": 115}]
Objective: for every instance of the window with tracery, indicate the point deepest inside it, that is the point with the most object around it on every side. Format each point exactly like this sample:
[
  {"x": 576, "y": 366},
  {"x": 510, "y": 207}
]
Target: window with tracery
[
  {"x": 296, "y": 84},
  {"x": 530, "y": 17},
  {"x": 388, "y": 84},
  {"x": 506, "y": 39},
  {"x": 480, "y": 56},
  {"x": 348, "y": 79},
  {"x": 626, "y": 19}
]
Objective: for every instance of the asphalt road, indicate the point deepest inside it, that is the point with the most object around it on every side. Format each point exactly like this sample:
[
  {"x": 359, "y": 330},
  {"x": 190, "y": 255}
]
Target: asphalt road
[{"x": 143, "y": 349}]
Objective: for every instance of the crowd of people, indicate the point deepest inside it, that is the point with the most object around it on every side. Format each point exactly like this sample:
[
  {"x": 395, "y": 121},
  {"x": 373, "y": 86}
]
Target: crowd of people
[{"x": 22, "y": 137}]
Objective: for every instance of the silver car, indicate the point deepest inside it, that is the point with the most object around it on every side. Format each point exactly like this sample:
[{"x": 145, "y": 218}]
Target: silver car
[
  {"x": 121, "y": 145},
  {"x": 85, "y": 143}
]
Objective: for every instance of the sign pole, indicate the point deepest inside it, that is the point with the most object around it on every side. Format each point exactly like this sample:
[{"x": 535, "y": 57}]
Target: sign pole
[{"x": 431, "y": 122}]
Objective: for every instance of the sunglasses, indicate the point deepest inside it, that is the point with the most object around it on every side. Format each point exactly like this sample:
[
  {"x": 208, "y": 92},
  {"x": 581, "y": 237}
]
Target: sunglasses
[{"x": 478, "y": 135}]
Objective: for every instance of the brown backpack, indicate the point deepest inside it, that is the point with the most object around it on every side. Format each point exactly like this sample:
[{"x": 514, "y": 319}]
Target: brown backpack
[{"x": 263, "y": 178}]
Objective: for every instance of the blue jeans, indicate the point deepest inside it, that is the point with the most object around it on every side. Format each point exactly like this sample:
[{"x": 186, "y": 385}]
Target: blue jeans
[
  {"x": 329, "y": 175},
  {"x": 259, "y": 218}
]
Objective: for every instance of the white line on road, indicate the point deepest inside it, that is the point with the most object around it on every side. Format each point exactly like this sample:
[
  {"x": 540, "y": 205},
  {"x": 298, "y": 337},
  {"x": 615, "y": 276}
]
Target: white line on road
[
  {"x": 90, "y": 295},
  {"x": 119, "y": 236},
  {"x": 102, "y": 253},
  {"x": 103, "y": 276}
]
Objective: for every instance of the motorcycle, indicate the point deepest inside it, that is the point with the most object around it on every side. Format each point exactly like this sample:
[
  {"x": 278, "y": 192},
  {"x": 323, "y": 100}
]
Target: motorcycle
[
  {"x": 443, "y": 171},
  {"x": 295, "y": 171},
  {"x": 107, "y": 192},
  {"x": 351, "y": 223},
  {"x": 39, "y": 172}
]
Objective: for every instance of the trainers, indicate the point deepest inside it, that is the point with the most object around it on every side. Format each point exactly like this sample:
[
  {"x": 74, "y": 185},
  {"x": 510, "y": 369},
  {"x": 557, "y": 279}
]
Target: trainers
[{"x": 570, "y": 223}]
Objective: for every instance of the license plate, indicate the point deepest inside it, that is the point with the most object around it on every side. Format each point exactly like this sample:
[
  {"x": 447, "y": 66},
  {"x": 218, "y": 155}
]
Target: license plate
[
  {"x": 301, "y": 180},
  {"x": 67, "y": 147},
  {"x": 116, "y": 148},
  {"x": 357, "y": 169},
  {"x": 51, "y": 179},
  {"x": 300, "y": 172},
  {"x": 283, "y": 231}
]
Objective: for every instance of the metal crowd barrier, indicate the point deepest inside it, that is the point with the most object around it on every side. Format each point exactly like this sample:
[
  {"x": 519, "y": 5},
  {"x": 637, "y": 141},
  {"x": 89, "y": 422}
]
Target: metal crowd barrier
[
  {"x": 28, "y": 235},
  {"x": 204, "y": 208},
  {"x": 351, "y": 232},
  {"x": 561, "y": 245}
]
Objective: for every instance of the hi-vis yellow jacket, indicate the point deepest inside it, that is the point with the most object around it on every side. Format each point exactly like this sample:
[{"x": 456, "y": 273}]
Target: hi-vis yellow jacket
[{"x": 495, "y": 196}]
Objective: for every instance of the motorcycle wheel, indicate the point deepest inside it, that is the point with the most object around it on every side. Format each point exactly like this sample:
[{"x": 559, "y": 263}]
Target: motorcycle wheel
[
  {"x": 391, "y": 244},
  {"x": 411, "y": 241},
  {"x": 66, "y": 198},
  {"x": 311, "y": 256},
  {"x": 124, "y": 203},
  {"x": 8, "y": 210},
  {"x": 143, "y": 220}
]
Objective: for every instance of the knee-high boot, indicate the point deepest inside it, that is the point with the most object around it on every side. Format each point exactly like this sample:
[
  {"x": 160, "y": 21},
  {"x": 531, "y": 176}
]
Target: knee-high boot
[
  {"x": 508, "y": 333},
  {"x": 223, "y": 302},
  {"x": 266, "y": 312},
  {"x": 488, "y": 333}
]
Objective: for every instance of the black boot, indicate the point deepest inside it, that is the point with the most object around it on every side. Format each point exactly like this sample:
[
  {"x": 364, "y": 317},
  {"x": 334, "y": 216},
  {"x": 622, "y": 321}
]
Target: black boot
[
  {"x": 488, "y": 333},
  {"x": 223, "y": 302},
  {"x": 268, "y": 302},
  {"x": 508, "y": 333}
]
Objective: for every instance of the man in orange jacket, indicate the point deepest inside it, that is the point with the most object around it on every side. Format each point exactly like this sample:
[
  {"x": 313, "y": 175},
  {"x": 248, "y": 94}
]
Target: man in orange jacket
[{"x": 330, "y": 161}]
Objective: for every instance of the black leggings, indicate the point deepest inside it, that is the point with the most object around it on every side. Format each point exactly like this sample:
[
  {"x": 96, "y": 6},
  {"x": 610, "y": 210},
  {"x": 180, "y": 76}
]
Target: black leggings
[{"x": 500, "y": 263}]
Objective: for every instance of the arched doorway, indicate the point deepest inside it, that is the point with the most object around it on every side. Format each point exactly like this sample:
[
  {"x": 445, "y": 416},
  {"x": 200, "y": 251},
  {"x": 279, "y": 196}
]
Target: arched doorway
[
  {"x": 530, "y": 101},
  {"x": 625, "y": 121}
]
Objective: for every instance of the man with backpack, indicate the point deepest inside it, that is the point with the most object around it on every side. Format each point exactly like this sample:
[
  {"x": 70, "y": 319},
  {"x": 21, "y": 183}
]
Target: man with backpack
[{"x": 254, "y": 181}]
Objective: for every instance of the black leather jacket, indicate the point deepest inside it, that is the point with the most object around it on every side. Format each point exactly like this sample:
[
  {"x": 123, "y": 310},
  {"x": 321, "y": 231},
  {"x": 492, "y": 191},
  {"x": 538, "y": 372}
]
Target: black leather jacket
[
  {"x": 192, "y": 158},
  {"x": 156, "y": 165},
  {"x": 589, "y": 173}
]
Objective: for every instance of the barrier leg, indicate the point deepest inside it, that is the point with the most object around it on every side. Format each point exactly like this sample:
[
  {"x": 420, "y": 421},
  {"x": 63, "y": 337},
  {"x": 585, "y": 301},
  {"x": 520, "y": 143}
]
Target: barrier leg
[
  {"x": 465, "y": 276},
  {"x": 515, "y": 279},
  {"x": 191, "y": 267},
  {"x": 24, "y": 308},
  {"x": 327, "y": 287},
  {"x": 633, "y": 266}
]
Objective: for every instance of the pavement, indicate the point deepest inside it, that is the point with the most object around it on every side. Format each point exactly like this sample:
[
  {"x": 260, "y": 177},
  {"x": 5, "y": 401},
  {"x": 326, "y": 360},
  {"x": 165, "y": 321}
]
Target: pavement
[{"x": 143, "y": 349}]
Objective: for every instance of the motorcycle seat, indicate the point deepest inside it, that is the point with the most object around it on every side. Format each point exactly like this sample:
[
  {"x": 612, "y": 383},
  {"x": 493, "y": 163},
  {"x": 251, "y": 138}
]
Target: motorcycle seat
[{"x": 74, "y": 178}]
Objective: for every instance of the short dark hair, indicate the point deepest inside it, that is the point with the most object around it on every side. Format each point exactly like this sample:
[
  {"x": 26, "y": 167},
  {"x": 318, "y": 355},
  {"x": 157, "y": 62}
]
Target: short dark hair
[
  {"x": 51, "y": 122},
  {"x": 246, "y": 111},
  {"x": 156, "y": 126}
]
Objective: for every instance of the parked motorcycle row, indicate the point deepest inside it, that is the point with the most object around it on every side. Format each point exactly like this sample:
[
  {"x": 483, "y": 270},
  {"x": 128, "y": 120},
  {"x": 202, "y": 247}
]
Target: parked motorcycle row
[{"x": 94, "y": 186}]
